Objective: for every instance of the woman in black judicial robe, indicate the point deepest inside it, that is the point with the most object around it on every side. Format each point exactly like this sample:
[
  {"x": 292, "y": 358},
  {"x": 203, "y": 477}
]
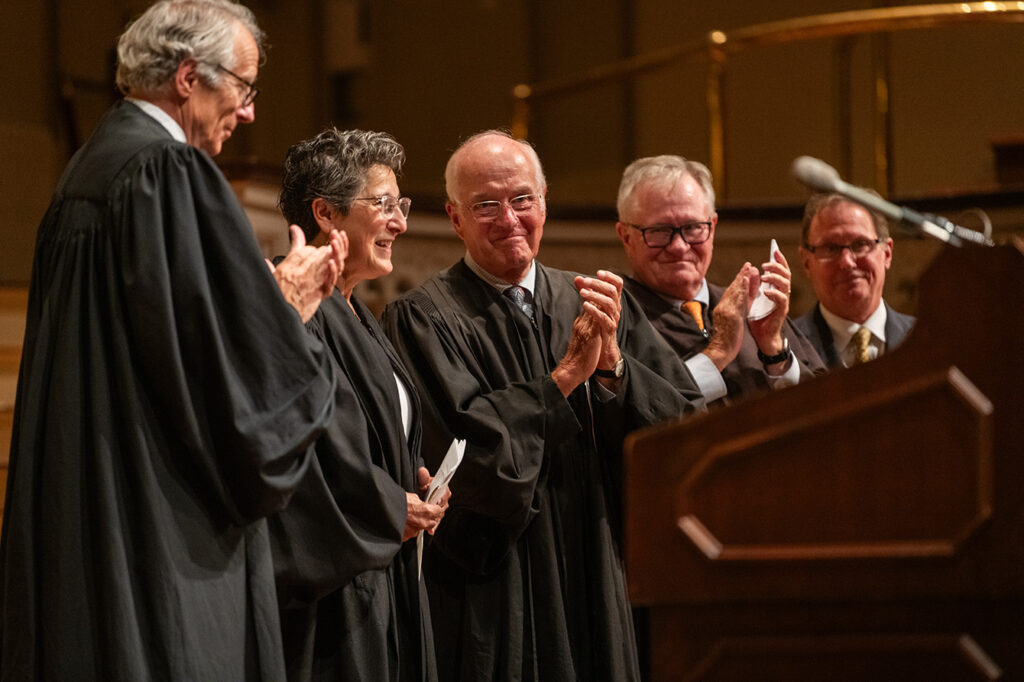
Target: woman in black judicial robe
[{"x": 352, "y": 605}]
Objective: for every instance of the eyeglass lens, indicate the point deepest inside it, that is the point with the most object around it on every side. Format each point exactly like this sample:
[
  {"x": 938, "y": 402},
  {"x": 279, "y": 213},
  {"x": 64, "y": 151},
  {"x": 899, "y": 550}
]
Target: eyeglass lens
[
  {"x": 491, "y": 209},
  {"x": 858, "y": 248},
  {"x": 660, "y": 236}
]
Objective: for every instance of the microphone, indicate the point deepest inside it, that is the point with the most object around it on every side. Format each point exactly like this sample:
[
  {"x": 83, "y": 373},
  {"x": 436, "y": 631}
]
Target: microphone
[{"x": 820, "y": 176}]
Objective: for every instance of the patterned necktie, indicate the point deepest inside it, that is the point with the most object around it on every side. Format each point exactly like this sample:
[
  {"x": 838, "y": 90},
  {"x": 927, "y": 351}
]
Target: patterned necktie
[
  {"x": 520, "y": 297},
  {"x": 697, "y": 313},
  {"x": 862, "y": 344}
]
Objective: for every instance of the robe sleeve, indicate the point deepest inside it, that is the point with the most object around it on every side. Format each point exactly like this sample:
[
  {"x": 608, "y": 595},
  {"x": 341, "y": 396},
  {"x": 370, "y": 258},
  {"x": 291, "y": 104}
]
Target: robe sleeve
[
  {"x": 656, "y": 388},
  {"x": 348, "y": 514},
  {"x": 242, "y": 388},
  {"x": 511, "y": 428}
]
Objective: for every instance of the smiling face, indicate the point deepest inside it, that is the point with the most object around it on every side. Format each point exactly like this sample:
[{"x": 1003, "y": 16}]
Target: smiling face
[
  {"x": 370, "y": 233},
  {"x": 495, "y": 168},
  {"x": 848, "y": 286},
  {"x": 215, "y": 111},
  {"x": 678, "y": 269}
]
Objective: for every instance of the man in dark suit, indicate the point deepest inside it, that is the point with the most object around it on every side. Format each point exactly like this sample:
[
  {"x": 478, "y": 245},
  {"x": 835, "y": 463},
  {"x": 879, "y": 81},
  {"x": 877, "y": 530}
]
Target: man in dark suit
[
  {"x": 667, "y": 223},
  {"x": 846, "y": 251}
]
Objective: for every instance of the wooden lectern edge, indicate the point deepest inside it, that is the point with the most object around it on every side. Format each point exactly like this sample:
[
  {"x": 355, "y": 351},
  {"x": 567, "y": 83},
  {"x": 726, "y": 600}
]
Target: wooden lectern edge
[{"x": 704, "y": 541}]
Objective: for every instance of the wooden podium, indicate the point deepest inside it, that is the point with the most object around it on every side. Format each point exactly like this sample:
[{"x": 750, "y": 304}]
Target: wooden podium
[{"x": 866, "y": 525}]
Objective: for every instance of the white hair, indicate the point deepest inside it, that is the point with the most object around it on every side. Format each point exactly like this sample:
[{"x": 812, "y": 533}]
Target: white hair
[
  {"x": 170, "y": 31},
  {"x": 663, "y": 171}
]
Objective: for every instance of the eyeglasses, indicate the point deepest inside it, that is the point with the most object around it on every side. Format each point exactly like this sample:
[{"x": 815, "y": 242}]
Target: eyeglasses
[
  {"x": 858, "y": 249},
  {"x": 489, "y": 210},
  {"x": 660, "y": 236},
  {"x": 250, "y": 93},
  {"x": 387, "y": 204}
]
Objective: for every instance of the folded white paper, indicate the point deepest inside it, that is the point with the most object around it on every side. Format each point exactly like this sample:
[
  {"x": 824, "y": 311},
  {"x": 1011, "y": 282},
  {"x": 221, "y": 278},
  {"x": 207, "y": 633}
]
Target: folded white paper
[{"x": 438, "y": 486}]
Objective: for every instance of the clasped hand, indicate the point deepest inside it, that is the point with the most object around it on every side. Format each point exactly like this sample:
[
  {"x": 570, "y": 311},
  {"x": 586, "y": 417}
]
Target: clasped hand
[
  {"x": 307, "y": 275},
  {"x": 594, "y": 343},
  {"x": 730, "y": 315},
  {"x": 767, "y": 331}
]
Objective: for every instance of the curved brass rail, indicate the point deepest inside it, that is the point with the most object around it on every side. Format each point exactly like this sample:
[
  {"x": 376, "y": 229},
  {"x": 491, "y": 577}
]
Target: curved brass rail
[{"x": 718, "y": 45}]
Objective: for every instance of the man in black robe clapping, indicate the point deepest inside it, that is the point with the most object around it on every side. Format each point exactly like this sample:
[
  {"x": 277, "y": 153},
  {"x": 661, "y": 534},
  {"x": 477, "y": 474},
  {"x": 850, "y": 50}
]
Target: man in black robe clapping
[{"x": 543, "y": 373}]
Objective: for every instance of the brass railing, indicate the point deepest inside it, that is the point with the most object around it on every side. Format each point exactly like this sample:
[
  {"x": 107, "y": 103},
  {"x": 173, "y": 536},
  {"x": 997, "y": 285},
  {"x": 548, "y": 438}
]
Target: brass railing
[{"x": 715, "y": 49}]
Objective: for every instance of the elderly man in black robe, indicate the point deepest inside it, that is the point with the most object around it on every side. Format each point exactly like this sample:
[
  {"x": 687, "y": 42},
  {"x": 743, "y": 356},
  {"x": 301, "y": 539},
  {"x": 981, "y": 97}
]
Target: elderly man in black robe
[
  {"x": 168, "y": 394},
  {"x": 543, "y": 373}
]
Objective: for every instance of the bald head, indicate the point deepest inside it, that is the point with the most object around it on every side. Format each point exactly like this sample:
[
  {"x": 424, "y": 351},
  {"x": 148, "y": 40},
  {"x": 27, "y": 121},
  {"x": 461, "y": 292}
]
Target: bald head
[
  {"x": 493, "y": 147},
  {"x": 495, "y": 189}
]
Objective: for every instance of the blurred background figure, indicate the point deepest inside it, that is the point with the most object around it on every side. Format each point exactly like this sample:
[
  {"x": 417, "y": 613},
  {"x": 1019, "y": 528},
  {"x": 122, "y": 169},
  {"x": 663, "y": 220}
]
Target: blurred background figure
[{"x": 846, "y": 252}]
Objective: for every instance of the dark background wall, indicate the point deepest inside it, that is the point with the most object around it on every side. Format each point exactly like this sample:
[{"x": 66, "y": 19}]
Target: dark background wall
[{"x": 434, "y": 72}]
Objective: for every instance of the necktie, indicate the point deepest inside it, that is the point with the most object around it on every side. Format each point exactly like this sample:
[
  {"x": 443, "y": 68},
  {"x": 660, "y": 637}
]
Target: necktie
[
  {"x": 861, "y": 343},
  {"x": 697, "y": 313},
  {"x": 520, "y": 297}
]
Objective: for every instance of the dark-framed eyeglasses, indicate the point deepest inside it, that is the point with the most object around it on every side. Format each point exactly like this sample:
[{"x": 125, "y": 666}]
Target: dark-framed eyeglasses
[
  {"x": 858, "y": 249},
  {"x": 252, "y": 91},
  {"x": 387, "y": 204},
  {"x": 489, "y": 210},
  {"x": 660, "y": 236}
]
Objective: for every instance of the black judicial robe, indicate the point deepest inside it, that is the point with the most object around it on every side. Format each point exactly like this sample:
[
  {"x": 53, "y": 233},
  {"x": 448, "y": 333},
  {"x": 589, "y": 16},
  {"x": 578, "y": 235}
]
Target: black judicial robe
[
  {"x": 352, "y": 607},
  {"x": 525, "y": 574},
  {"x": 166, "y": 403}
]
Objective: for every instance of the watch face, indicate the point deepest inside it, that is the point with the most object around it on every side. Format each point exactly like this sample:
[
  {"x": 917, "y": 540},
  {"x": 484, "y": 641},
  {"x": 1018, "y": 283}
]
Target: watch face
[{"x": 620, "y": 368}]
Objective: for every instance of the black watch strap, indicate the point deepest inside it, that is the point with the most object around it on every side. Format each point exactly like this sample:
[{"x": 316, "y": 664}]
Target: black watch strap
[
  {"x": 620, "y": 368},
  {"x": 774, "y": 359}
]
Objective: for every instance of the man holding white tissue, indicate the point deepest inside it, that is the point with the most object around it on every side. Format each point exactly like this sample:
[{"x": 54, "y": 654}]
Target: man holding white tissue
[{"x": 667, "y": 221}]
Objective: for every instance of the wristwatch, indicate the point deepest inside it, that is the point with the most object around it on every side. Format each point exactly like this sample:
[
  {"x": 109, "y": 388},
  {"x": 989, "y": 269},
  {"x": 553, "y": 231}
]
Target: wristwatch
[
  {"x": 779, "y": 357},
  {"x": 620, "y": 369}
]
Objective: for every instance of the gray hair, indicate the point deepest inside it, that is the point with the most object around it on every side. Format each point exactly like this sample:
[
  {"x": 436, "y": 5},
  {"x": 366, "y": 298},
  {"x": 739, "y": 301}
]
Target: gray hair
[
  {"x": 333, "y": 166},
  {"x": 663, "y": 171},
  {"x": 171, "y": 31},
  {"x": 820, "y": 201},
  {"x": 531, "y": 153}
]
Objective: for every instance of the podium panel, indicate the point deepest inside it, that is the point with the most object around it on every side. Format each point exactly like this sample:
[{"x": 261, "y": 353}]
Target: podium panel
[{"x": 868, "y": 524}]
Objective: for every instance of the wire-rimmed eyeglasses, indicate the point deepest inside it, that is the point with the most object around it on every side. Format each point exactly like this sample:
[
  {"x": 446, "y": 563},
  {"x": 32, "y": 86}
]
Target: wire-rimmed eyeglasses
[
  {"x": 489, "y": 210},
  {"x": 858, "y": 249},
  {"x": 387, "y": 204},
  {"x": 250, "y": 94}
]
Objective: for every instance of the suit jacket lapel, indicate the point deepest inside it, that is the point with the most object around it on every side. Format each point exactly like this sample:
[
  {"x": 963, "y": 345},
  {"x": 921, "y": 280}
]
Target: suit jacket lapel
[{"x": 826, "y": 344}]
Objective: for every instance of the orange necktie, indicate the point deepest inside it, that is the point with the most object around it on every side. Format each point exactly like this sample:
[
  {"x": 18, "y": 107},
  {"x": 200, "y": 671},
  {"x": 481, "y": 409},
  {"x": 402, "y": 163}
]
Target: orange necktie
[{"x": 697, "y": 313}]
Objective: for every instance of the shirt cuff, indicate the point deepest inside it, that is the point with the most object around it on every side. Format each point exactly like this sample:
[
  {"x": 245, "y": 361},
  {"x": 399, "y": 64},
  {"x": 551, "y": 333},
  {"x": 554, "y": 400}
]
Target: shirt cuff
[
  {"x": 709, "y": 379},
  {"x": 791, "y": 377}
]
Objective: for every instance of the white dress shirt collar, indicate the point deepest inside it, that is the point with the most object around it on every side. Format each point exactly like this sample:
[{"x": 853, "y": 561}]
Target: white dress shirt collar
[
  {"x": 843, "y": 329},
  {"x": 161, "y": 116},
  {"x": 529, "y": 282},
  {"x": 703, "y": 295}
]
